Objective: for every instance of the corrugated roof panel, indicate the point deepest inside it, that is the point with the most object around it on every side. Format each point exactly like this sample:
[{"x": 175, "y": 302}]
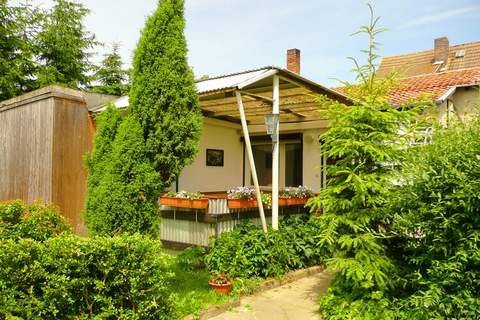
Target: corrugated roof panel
[{"x": 229, "y": 81}]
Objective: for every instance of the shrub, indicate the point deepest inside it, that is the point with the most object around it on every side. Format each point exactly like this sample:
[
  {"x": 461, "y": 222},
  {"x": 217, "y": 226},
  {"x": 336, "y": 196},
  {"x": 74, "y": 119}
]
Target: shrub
[
  {"x": 36, "y": 221},
  {"x": 247, "y": 252},
  {"x": 192, "y": 258},
  {"x": 68, "y": 277}
]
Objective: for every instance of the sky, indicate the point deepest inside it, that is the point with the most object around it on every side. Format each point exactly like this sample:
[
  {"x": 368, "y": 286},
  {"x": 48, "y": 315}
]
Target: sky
[{"x": 226, "y": 36}]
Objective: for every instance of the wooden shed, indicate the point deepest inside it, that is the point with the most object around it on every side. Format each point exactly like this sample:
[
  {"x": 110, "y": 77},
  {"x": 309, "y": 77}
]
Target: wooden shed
[{"x": 43, "y": 137}]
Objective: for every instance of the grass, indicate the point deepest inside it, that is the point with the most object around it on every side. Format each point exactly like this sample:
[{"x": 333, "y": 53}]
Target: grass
[{"x": 190, "y": 285}]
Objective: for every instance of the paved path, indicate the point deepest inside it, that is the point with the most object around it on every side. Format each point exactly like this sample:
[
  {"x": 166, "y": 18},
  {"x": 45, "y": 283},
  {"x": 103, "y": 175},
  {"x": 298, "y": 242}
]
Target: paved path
[{"x": 293, "y": 301}]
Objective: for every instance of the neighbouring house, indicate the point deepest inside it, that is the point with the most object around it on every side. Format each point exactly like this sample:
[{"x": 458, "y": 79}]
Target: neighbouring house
[
  {"x": 450, "y": 75},
  {"x": 44, "y": 135}
]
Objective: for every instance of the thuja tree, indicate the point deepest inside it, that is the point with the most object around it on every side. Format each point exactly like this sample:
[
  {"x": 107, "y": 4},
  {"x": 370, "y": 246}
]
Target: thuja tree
[
  {"x": 64, "y": 46},
  {"x": 110, "y": 75},
  {"x": 123, "y": 186},
  {"x": 364, "y": 144},
  {"x": 98, "y": 160},
  {"x": 163, "y": 95}
]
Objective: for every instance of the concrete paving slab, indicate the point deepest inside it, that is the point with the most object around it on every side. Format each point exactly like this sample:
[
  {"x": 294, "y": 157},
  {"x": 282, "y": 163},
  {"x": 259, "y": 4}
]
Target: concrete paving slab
[{"x": 293, "y": 301}]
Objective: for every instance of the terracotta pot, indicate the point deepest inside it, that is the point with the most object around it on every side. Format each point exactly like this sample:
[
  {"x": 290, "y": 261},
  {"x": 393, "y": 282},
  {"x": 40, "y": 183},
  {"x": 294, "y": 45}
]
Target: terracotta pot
[
  {"x": 291, "y": 201},
  {"x": 242, "y": 203},
  {"x": 168, "y": 201},
  {"x": 221, "y": 288},
  {"x": 200, "y": 203}
]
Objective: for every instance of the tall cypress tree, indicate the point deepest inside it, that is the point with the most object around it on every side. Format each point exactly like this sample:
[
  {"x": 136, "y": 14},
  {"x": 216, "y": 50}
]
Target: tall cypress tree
[
  {"x": 163, "y": 95},
  {"x": 112, "y": 78},
  {"x": 64, "y": 45}
]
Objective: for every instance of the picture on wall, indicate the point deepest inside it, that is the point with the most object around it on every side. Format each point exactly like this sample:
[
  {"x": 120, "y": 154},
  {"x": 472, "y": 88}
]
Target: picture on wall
[{"x": 214, "y": 158}]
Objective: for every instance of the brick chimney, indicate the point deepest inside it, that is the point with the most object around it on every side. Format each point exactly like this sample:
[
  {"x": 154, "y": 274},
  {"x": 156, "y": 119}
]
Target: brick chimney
[
  {"x": 293, "y": 60},
  {"x": 440, "y": 51}
]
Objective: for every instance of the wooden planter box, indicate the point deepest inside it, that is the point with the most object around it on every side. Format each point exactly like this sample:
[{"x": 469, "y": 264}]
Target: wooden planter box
[
  {"x": 242, "y": 203},
  {"x": 184, "y": 203}
]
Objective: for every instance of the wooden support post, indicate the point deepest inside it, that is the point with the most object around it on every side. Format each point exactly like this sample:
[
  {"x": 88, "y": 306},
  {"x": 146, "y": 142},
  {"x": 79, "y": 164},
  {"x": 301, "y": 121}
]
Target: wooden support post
[
  {"x": 251, "y": 161},
  {"x": 275, "y": 152}
]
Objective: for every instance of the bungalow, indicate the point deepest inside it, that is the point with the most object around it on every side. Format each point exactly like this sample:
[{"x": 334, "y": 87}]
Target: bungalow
[{"x": 235, "y": 149}]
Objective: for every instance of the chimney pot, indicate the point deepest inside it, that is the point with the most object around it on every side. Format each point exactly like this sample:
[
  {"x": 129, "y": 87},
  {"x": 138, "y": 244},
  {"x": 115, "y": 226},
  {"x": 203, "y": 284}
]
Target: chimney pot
[
  {"x": 440, "y": 51},
  {"x": 293, "y": 60}
]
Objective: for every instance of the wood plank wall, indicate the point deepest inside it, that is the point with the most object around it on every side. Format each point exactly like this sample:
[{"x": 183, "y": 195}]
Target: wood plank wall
[
  {"x": 43, "y": 138},
  {"x": 72, "y": 138},
  {"x": 26, "y": 140}
]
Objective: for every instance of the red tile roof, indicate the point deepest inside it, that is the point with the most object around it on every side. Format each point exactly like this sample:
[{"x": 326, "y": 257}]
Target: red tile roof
[
  {"x": 434, "y": 85},
  {"x": 417, "y": 63},
  {"x": 431, "y": 86}
]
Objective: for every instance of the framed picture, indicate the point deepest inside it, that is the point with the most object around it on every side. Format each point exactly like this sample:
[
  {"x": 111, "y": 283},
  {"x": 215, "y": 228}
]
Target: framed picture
[{"x": 214, "y": 158}]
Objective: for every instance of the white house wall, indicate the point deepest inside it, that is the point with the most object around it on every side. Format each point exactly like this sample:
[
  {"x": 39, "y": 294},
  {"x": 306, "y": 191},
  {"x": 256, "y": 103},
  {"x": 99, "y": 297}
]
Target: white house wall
[{"x": 198, "y": 176}]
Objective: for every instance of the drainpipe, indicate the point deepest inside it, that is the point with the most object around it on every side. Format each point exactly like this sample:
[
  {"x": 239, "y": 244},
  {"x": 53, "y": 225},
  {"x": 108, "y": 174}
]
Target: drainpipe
[{"x": 275, "y": 152}]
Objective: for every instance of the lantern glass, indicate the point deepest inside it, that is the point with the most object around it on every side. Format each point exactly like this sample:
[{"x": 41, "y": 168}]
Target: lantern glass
[{"x": 271, "y": 121}]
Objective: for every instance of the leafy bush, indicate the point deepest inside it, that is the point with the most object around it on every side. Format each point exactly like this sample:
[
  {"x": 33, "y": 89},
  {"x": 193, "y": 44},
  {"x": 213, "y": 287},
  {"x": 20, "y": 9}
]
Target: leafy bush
[
  {"x": 247, "y": 252},
  {"x": 192, "y": 258},
  {"x": 36, "y": 221},
  {"x": 68, "y": 277}
]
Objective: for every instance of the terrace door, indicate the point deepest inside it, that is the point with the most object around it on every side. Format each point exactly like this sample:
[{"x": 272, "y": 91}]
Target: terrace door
[{"x": 291, "y": 160}]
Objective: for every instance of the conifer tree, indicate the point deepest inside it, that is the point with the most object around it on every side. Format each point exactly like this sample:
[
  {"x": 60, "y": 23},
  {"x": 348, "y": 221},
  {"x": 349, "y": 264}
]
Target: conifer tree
[
  {"x": 123, "y": 187},
  {"x": 64, "y": 45},
  {"x": 364, "y": 142},
  {"x": 110, "y": 75},
  {"x": 17, "y": 65},
  {"x": 163, "y": 95}
]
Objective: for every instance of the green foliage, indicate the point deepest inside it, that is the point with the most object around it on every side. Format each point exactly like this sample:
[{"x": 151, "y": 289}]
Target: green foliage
[
  {"x": 17, "y": 66},
  {"x": 124, "y": 277},
  {"x": 437, "y": 225},
  {"x": 63, "y": 45},
  {"x": 163, "y": 94},
  {"x": 364, "y": 141},
  {"x": 110, "y": 75},
  {"x": 247, "y": 252},
  {"x": 37, "y": 221},
  {"x": 124, "y": 195},
  {"x": 192, "y": 258}
]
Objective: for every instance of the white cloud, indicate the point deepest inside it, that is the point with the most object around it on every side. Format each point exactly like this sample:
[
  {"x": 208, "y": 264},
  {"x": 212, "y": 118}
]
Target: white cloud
[{"x": 439, "y": 16}]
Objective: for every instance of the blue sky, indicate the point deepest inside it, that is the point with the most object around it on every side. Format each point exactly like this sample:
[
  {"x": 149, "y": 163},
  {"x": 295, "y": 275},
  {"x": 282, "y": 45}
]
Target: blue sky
[{"x": 227, "y": 36}]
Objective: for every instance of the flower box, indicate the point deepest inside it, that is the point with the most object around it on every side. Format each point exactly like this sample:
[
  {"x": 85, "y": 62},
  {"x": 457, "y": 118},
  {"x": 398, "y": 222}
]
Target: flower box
[
  {"x": 184, "y": 203},
  {"x": 282, "y": 201},
  {"x": 242, "y": 203}
]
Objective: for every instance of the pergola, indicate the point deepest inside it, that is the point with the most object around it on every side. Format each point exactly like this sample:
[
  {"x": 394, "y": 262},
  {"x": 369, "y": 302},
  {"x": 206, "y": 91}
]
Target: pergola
[{"x": 269, "y": 94}]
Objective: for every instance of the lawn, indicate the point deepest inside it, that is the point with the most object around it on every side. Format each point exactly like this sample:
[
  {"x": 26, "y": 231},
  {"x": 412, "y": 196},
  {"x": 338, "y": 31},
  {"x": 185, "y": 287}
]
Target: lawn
[{"x": 190, "y": 284}]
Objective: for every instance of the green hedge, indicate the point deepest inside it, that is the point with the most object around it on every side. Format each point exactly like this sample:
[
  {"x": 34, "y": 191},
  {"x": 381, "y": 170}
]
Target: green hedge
[
  {"x": 69, "y": 277},
  {"x": 36, "y": 221},
  {"x": 246, "y": 252}
]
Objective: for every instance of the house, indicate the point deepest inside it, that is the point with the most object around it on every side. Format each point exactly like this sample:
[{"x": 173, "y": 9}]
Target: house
[
  {"x": 235, "y": 149},
  {"x": 450, "y": 75}
]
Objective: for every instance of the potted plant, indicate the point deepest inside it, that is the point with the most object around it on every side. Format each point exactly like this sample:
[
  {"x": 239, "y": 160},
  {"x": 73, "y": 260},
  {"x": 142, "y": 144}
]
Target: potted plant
[
  {"x": 221, "y": 283},
  {"x": 184, "y": 199},
  {"x": 241, "y": 197}
]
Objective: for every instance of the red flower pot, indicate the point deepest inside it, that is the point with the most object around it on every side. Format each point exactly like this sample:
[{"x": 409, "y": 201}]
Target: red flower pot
[
  {"x": 224, "y": 288},
  {"x": 282, "y": 201}
]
